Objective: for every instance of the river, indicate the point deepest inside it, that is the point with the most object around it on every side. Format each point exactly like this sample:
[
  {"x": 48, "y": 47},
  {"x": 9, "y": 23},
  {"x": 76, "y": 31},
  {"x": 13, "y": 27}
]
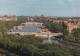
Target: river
[
  {"x": 33, "y": 28},
  {"x": 28, "y": 28},
  {"x": 55, "y": 41}
]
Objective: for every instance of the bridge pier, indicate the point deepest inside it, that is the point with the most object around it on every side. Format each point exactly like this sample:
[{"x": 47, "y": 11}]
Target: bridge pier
[
  {"x": 36, "y": 24},
  {"x": 49, "y": 40},
  {"x": 49, "y": 36},
  {"x": 31, "y": 25}
]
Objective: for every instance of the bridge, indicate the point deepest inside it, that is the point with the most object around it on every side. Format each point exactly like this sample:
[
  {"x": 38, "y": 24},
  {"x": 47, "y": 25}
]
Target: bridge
[
  {"x": 42, "y": 32},
  {"x": 49, "y": 34},
  {"x": 36, "y": 23}
]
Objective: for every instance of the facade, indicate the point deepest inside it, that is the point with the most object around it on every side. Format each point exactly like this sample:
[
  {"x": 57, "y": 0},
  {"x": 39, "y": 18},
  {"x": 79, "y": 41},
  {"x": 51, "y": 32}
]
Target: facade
[
  {"x": 8, "y": 18},
  {"x": 70, "y": 23},
  {"x": 73, "y": 24},
  {"x": 71, "y": 27}
]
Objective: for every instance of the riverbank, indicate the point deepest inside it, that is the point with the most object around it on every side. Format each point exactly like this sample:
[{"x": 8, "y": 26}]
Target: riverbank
[{"x": 69, "y": 43}]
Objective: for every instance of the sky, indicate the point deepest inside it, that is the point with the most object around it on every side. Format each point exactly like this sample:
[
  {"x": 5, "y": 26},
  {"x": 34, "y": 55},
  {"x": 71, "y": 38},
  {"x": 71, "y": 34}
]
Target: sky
[{"x": 38, "y": 7}]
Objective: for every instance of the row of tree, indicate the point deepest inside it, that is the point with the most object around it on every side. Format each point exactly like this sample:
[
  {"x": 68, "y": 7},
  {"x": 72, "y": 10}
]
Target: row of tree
[
  {"x": 7, "y": 25},
  {"x": 13, "y": 45},
  {"x": 55, "y": 27}
]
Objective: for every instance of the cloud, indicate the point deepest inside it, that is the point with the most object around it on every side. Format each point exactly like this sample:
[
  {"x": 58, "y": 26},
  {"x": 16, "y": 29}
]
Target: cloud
[
  {"x": 3, "y": 1},
  {"x": 71, "y": 1},
  {"x": 32, "y": 7},
  {"x": 61, "y": 2}
]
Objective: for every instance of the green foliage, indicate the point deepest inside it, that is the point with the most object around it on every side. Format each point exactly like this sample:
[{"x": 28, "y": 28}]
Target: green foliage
[
  {"x": 75, "y": 52},
  {"x": 41, "y": 20},
  {"x": 76, "y": 32},
  {"x": 7, "y": 25},
  {"x": 29, "y": 45},
  {"x": 54, "y": 27},
  {"x": 65, "y": 32},
  {"x": 2, "y": 27}
]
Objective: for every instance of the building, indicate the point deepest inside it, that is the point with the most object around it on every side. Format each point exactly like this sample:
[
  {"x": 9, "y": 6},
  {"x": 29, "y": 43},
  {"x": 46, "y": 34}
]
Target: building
[
  {"x": 70, "y": 23},
  {"x": 8, "y": 18}
]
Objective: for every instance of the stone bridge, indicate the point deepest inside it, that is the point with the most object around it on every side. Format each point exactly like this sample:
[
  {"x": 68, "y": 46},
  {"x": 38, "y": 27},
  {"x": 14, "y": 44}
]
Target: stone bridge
[
  {"x": 49, "y": 34},
  {"x": 36, "y": 23}
]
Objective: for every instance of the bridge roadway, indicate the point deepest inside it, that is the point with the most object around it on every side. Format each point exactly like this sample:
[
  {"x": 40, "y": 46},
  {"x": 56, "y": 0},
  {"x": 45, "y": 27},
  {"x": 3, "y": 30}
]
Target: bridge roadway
[
  {"x": 37, "y": 34},
  {"x": 32, "y": 23}
]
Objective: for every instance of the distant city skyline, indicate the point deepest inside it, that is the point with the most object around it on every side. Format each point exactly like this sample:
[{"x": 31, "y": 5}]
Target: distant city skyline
[{"x": 38, "y": 7}]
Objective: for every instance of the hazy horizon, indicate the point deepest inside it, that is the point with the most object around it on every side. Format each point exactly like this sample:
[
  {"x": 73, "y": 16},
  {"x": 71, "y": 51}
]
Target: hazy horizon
[{"x": 60, "y": 8}]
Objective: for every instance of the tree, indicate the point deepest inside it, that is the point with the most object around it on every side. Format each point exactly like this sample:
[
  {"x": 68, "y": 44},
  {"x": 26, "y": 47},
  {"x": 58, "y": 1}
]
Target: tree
[
  {"x": 76, "y": 32},
  {"x": 55, "y": 27},
  {"x": 2, "y": 27},
  {"x": 65, "y": 32},
  {"x": 75, "y": 52}
]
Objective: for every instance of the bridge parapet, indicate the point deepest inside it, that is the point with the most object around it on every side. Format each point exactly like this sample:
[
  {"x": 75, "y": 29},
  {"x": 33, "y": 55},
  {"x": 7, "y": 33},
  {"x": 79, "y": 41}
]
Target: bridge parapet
[
  {"x": 32, "y": 23},
  {"x": 35, "y": 33}
]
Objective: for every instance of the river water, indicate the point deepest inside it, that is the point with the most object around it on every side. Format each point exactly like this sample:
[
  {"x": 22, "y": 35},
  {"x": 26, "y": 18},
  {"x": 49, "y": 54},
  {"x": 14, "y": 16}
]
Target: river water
[
  {"x": 55, "y": 41},
  {"x": 33, "y": 28},
  {"x": 29, "y": 28}
]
